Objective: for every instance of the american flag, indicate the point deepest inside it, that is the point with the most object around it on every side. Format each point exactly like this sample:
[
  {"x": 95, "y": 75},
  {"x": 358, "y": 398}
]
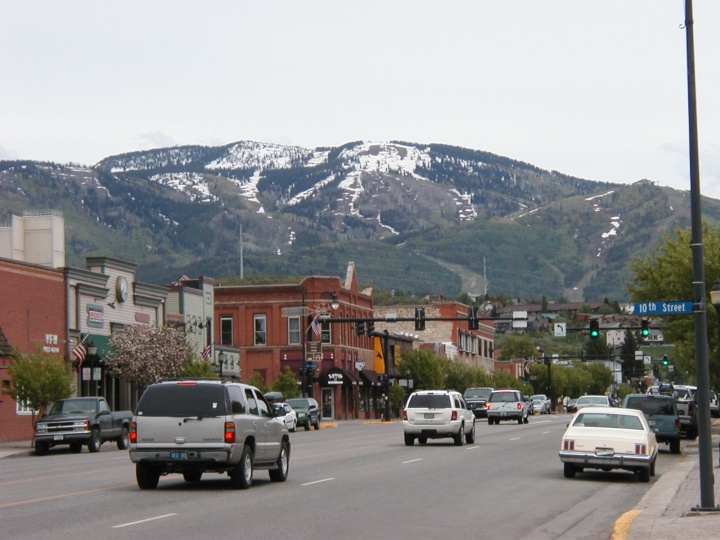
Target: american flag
[
  {"x": 316, "y": 327},
  {"x": 206, "y": 352},
  {"x": 79, "y": 353}
]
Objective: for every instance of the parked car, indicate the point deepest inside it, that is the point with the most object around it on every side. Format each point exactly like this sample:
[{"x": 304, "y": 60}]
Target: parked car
[
  {"x": 287, "y": 414},
  {"x": 308, "y": 412},
  {"x": 591, "y": 401},
  {"x": 507, "y": 405},
  {"x": 686, "y": 404},
  {"x": 714, "y": 404},
  {"x": 662, "y": 415},
  {"x": 530, "y": 405},
  {"x": 570, "y": 405},
  {"x": 476, "y": 398},
  {"x": 436, "y": 414},
  {"x": 81, "y": 421},
  {"x": 608, "y": 438},
  {"x": 192, "y": 427},
  {"x": 541, "y": 403}
]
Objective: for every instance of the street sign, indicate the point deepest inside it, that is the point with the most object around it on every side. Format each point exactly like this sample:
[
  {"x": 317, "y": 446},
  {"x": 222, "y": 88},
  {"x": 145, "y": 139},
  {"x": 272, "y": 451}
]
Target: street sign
[
  {"x": 560, "y": 329},
  {"x": 663, "y": 308}
]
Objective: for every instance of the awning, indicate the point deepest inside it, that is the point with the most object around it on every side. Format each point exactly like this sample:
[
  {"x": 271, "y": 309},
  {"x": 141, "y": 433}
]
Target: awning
[
  {"x": 370, "y": 377},
  {"x": 336, "y": 376}
]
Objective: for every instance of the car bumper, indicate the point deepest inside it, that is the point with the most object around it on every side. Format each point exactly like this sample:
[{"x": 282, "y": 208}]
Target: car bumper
[
  {"x": 514, "y": 415},
  {"x": 615, "y": 461},
  {"x": 62, "y": 438},
  {"x": 430, "y": 430}
]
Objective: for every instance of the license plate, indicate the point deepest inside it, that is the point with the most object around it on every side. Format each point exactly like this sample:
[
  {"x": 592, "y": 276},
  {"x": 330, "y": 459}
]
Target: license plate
[
  {"x": 503, "y": 414},
  {"x": 429, "y": 416},
  {"x": 604, "y": 452},
  {"x": 57, "y": 437},
  {"x": 178, "y": 455}
]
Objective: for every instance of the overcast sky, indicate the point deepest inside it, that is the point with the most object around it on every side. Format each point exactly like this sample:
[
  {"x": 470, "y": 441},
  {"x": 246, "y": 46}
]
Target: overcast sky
[{"x": 591, "y": 88}]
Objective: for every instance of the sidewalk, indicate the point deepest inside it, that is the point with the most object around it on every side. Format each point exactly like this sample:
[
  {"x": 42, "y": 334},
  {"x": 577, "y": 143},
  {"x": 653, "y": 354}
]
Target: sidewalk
[
  {"x": 666, "y": 509},
  {"x": 15, "y": 448}
]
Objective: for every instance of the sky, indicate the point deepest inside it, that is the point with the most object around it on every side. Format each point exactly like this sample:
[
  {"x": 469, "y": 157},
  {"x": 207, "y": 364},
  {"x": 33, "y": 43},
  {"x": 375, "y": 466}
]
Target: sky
[{"x": 596, "y": 89}]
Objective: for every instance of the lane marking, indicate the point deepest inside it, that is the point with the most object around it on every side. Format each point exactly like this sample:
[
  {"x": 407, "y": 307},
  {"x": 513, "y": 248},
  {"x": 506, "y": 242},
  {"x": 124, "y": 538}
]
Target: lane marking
[
  {"x": 515, "y": 439},
  {"x": 19, "y": 503},
  {"x": 318, "y": 482},
  {"x": 410, "y": 461},
  {"x": 472, "y": 447},
  {"x": 142, "y": 521}
]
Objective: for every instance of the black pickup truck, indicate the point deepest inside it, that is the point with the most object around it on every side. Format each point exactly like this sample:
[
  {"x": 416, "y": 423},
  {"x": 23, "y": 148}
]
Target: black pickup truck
[{"x": 81, "y": 421}]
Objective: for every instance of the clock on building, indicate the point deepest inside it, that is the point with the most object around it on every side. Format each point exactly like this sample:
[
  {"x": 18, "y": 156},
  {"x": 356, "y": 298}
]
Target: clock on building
[{"x": 121, "y": 289}]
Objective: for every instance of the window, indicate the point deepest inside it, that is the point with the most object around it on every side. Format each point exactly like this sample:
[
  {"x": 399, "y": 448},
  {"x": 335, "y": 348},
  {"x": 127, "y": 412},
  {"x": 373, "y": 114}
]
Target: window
[
  {"x": 260, "y": 325},
  {"x": 226, "y": 330},
  {"x": 252, "y": 402},
  {"x": 294, "y": 332},
  {"x": 325, "y": 336}
]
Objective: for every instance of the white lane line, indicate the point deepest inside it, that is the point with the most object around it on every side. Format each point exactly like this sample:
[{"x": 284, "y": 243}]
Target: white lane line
[
  {"x": 143, "y": 521},
  {"x": 545, "y": 432},
  {"x": 318, "y": 482},
  {"x": 471, "y": 447},
  {"x": 411, "y": 461},
  {"x": 515, "y": 439}
]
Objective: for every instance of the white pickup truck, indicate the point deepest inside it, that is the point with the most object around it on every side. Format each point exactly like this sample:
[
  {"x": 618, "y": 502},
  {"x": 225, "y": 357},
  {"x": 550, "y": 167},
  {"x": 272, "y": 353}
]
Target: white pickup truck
[{"x": 507, "y": 405}]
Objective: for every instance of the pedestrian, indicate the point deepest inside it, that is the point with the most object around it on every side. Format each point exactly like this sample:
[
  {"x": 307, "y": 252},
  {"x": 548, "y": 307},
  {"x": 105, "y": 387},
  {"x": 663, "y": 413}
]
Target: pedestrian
[{"x": 381, "y": 406}]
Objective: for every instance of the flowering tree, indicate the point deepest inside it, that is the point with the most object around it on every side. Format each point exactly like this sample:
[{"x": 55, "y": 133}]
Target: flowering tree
[{"x": 142, "y": 355}]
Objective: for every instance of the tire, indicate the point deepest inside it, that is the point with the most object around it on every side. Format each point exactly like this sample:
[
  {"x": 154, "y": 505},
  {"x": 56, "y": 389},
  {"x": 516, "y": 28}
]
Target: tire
[
  {"x": 76, "y": 447},
  {"x": 123, "y": 441},
  {"x": 470, "y": 437},
  {"x": 520, "y": 420},
  {"x": 490, "y": 421},
  {"x": 652, "y": 467},
  {"x": 409, "y": 440},
  {"x": 242, "y": 474},
  {"x": 568, "y": 470},
  {"x": 42, "y": 448},
  {"x": 316, "y": 425},
  {"x": 283, "y": 464},
  {"x": 675, "y": 446},
  {"x": 94, "y": 443},
  {"x": 644, "y": 474},
  {"x": 526, "y": 420},
  {"x": 422, "y": 440},
  {"x": 307, "y": 426},
  {"x": 459, "y": 437},
  {"x": 147, "y": 476},
  {"x": 192, "y": 476}
]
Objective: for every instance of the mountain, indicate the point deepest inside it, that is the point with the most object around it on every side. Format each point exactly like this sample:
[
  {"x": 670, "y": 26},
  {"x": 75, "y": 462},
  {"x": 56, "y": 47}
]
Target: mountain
[{"x": 421, "y": 218}]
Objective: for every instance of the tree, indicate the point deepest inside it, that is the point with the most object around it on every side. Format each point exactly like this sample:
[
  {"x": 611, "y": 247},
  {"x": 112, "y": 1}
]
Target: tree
[
  {"x": 666, "y": 274},
  {"x": 257, "y": 382},
  {"x": 197, "y": 369},
  {"x": 142, "y": 355},
  {"x": 517, "y": 346},
  {"x": 37, "y": 379},
  {"x": 423, "y": 367},
  {"x": 631, "y": 366},
  {"x": 287, "y": 384}
]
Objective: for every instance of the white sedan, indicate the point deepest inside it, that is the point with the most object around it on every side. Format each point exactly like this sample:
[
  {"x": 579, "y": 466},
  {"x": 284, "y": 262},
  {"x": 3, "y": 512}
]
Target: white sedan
[
  {"x": 609, "y": 438},
  {"x": 287, "y": 414}
]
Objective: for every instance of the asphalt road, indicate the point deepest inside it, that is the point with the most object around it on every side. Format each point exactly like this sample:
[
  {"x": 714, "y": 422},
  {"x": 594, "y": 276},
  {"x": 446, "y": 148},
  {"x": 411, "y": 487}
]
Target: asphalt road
[{"x": 353, "y": 481}]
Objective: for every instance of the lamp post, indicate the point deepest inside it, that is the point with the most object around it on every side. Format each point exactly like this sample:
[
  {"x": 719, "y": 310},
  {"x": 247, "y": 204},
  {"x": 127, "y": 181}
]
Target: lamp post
[
  {"x": 306, "y": 372},
  {"x": 92, "y": 354},
  {"x": 221, "y": 360}
]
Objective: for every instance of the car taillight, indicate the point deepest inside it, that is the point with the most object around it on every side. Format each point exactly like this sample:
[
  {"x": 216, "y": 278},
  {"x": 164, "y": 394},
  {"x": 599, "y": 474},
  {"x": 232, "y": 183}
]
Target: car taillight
[
  {"x": 405, "y": 415},
  {"x": 640, "y": 449},
  {"x": 453, "y": 417},
  {"x": 133, "y": 432},
  {"x": 677, "y": 424},
  {"x": 574, "y": 409},
  {"x": 487, "y": 406},
  {"x": 568, "y": 445},
  {"x": 229, "y": 432},
  {"x": 519, "y": 406}
]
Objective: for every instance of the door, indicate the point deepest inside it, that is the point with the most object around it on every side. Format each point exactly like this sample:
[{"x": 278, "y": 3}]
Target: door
[{"x": 328, "y": 404}]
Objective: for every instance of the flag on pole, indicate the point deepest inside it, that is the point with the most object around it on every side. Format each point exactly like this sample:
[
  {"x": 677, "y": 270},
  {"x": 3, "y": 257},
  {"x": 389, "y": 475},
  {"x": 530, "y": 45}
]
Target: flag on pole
[
  {"x": 79, "y": 354},
  {"x": 315, "y": 325},
  {"x": 206, "y": 352}
]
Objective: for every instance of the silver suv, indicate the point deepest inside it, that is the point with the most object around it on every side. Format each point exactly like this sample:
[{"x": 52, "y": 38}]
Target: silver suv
[
  {"x": 196, "y": 426},
  {"x": 507, "y": 405},
  {"x": 434, "y": 414}
]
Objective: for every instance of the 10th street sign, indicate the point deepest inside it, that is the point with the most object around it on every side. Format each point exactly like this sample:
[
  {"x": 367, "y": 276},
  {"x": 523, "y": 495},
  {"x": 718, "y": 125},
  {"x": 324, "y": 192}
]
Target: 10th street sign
[{"x": 663, "y": 308}]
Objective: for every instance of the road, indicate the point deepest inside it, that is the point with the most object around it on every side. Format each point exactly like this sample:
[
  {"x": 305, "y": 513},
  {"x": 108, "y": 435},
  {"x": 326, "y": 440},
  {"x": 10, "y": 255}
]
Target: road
[{"x": 354, "y": 481}]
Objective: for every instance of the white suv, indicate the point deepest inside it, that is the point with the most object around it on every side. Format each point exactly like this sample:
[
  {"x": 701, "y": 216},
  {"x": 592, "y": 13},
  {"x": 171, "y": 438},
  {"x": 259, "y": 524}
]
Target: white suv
[
  {"x": 434, "y": 414},
  {"x": 202, "y": 425},
  {"x": 507, "y": 405}
]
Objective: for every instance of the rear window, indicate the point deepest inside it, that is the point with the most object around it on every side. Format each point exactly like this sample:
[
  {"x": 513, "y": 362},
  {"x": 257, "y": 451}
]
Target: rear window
[
  {"x": 200, "y": 400},
  {"x": 429, "y": 401},
  {"x": 602, "y": 420},
  {"x": 477, "y": 393},
  {"x": 504, "y": 397},
  {"x": 651, "y": 406}
]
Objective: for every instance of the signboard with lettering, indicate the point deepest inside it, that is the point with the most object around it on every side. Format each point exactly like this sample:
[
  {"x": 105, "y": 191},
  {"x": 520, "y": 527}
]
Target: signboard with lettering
[{"x": 663, "y": 308}]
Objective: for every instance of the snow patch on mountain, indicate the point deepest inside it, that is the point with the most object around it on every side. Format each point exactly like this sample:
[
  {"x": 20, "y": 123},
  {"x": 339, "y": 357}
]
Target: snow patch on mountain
[
  {"x": 190, "y": 184},
  {"x": 254, "y": 155}
]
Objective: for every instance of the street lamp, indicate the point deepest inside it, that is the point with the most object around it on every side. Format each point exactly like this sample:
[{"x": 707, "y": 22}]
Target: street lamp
[
  {"x": 92, "y": 355},
  {"x": 221, "y": 360}
]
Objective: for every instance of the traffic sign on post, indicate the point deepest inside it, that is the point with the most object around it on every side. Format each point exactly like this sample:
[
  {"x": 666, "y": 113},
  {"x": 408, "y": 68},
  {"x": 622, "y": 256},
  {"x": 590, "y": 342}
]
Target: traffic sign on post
[
  {"x": 663, "y": 308},
  {"x": 560, "y": 329}
]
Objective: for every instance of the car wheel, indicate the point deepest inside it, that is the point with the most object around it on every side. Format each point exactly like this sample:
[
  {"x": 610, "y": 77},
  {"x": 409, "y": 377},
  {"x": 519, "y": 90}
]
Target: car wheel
[
  {"x": 307, "y": 426},
  {"x": 644, "y": 474},
  {"x": 652, "y": 467},
  {"x": 675, "y": 446},
  {"x": 42, "y": 448},
  {"x": 76, "y": 447},
  {"x": 422, "y": 440},
  {"x": 409, "y": 440},
  {"x": 459, "y": 437},
  {"x": 123, "y": 441},
  {"x": 192, "y": 476},
  {"x": 94, "y": 442},
  {"x": 147, "y": 476},
  {"x": 526, "y": 420},
  {"x": 242, "y": 474},
  {"x": 568, "y": 470},
  {"x": 490, "y": 421},
  {"x": 316, "y": 425},
  {"x": 470, "y": 437},
  {"x": 283, "y": 464},
  {"x": 520, "y": 420}
]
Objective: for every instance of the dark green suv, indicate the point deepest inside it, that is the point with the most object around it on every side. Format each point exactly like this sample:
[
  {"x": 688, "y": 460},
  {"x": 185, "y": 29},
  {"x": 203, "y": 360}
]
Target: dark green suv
[
  {"x": 662, "y": 415},
  {"x": 308, "y": 412}
]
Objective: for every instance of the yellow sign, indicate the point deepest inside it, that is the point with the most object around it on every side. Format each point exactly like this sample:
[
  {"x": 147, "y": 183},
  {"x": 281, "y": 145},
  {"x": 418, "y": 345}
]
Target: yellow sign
[{"x": 379, "y": 356}]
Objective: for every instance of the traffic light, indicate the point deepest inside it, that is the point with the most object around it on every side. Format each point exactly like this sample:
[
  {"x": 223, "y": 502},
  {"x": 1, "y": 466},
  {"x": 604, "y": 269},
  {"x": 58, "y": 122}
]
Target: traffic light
[
  {"x": 594, "y": 329},
  {"x": 645, "y": 328},
  {"x": 473, "y": 322},
  {"x": 370, "y": 327},
  {"x": 665, "y": 360},
  {"x": 360, "y": 328},
  {"x": 419, "y": 318},
  {"x": 546, "y": 360}
]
